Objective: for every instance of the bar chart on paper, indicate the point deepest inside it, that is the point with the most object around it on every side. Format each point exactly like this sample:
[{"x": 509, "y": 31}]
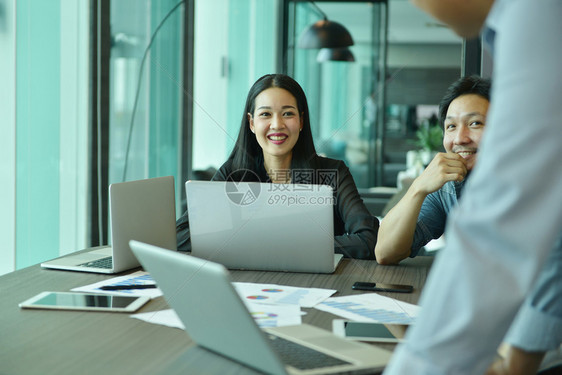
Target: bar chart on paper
[
  {"x": 140, "y": 279},
  {"x": 370, "y": 307},
  {"x": 136, "y": 278}
]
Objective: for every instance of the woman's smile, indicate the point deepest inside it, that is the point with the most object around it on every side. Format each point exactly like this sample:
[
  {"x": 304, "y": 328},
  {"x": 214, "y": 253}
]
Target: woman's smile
[{"x": 277, "y": 138}]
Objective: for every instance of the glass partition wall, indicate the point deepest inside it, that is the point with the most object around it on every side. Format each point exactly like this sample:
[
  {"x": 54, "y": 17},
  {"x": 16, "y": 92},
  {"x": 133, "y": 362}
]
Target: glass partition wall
[
  {"x": 235, "y": 43},
  {"x": 367, "y": 112},
  {"x": 72, "y": 80},
  {"x": 423, "y": 59},
  {"x": 345, "y": 97},
  {"x": 145, "y": 106}
]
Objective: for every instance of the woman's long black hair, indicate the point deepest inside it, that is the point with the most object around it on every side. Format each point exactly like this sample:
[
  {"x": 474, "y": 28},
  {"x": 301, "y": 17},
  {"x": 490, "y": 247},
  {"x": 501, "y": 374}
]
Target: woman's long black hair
[{"x": 247, "y": 153}]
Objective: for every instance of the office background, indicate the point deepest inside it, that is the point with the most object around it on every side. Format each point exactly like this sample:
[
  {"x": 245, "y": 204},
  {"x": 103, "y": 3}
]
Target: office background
[{"x": 69, "y": 73}]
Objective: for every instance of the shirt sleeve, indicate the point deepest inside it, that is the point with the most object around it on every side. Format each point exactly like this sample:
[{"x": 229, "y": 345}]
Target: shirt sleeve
[
  {"x": 361, "y": 228},
  {"x": 538, "y": 325},
  {"x": 509, "y": 217},
  {"x": 430, "y": 224}
]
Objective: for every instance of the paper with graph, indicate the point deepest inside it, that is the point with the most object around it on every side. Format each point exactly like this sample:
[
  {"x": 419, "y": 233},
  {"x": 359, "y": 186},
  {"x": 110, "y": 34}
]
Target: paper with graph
[
  {"x": 370, "y": 307},
  {"x": 281, "y": 294}
]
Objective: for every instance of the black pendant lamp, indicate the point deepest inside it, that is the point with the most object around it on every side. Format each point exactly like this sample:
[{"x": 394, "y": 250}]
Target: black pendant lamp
[
  {"x": 325, "y": 34},
  {"x": 335, "y": 54}
]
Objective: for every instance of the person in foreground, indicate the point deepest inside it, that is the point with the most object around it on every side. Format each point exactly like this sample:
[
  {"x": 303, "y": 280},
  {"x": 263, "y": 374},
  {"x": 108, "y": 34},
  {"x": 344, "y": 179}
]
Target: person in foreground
[
  {"x": 421, "y": 214},
  {"x": 502, "y": 266},
  {"x": 275, "y": 145}
]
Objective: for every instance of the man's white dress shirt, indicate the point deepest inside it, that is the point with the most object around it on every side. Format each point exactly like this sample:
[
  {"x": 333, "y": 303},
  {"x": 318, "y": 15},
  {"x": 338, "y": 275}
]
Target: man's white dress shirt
[{"x": 510, "y": 217}]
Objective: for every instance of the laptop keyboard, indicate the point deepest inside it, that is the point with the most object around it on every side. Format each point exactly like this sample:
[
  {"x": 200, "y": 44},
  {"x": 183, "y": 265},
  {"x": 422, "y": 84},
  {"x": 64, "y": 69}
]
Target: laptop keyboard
[
  {"x": 302, "y": 357},
  {"x": 100, "y": 263}
]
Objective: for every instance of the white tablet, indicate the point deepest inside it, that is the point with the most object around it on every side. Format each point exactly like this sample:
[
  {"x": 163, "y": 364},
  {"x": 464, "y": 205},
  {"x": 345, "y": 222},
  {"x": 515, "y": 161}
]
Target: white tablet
[{"x": 84, "y": 302}]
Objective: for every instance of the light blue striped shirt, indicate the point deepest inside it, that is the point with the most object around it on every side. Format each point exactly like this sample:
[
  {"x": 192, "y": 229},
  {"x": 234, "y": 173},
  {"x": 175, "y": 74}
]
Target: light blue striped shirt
[{"x": 501, "y": 240}]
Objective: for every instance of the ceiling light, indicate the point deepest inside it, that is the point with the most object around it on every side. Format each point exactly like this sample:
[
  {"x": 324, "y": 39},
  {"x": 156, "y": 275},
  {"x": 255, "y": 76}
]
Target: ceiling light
[
  {"x": 335, "y": 54},
  {"x": 325, "y": 34}
]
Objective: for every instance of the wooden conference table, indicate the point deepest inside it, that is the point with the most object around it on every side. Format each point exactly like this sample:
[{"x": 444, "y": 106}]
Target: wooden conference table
[{"x": 68, "y": 342}]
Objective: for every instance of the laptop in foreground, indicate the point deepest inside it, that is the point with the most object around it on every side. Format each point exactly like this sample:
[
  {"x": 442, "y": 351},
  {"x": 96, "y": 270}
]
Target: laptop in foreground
[
  {"x": 143, "y": 210},
  {"x": 262, "y": 226},
  {"x": 214, "y": 316}
]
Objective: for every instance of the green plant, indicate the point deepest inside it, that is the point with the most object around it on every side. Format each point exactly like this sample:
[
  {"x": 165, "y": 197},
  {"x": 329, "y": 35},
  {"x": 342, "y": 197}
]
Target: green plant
[{"x": 429, "y": 138}]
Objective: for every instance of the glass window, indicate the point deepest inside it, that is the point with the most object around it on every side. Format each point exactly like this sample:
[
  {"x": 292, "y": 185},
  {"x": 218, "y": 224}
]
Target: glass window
[
  {"x": 145, "y": 105},
  {"x": 7, "y": 136},
  {"x": 364, "y": 112},
  {"x": 344, "y": 96},
  {"x": 51, "y": 128},
  {"x": 48, "y": 164},
  {"x": 235, "y": 44},
  {"x": 424, "y": 58},
  {"x": 367, "y": 112}
]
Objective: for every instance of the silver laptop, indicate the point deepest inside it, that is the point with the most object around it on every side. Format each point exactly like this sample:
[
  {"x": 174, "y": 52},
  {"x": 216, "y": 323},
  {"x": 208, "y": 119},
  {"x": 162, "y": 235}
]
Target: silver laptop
[
  {"x": 224, "y": 325},
  {"x": 143, "y": 210},
  {"x": 261, "y": 226}
]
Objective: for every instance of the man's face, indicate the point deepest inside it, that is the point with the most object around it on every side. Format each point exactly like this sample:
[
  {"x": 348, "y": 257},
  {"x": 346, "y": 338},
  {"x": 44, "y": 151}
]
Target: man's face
[
  {"x": 464, "y": 125},
  {"x": 465, "y": 17}
]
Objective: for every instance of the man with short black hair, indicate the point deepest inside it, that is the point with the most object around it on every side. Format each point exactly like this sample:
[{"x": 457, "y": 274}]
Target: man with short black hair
[{"x": 421, "y": 214}]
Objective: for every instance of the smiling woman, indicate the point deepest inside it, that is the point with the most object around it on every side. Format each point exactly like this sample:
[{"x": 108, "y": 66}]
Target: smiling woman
[
  {"x": 275, "y": 145},
  {"x": 276, "y": 122}
]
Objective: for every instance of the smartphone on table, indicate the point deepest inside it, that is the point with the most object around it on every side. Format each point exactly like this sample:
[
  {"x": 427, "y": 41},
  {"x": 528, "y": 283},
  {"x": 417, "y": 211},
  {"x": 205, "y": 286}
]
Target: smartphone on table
[
  {"x": 84, "y": 302},
  {"x": 380, "y": 287},
  {"x": 363, "y": 331}
]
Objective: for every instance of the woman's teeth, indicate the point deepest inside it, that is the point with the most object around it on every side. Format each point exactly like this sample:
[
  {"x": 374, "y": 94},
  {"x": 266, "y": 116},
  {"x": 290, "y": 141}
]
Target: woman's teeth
[{"x": 277, "y": 137}]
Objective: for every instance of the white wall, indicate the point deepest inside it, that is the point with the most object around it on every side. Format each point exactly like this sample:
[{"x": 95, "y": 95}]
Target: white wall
[
  {"x": 210, "y": 84},
  {"x": 74, "y": 126}
]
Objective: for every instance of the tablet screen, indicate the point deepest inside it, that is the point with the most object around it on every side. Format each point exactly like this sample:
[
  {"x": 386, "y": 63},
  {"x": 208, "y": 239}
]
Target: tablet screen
[
  {"x": 84, "y": 301},
  {"x": 366, "y": 330}
]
